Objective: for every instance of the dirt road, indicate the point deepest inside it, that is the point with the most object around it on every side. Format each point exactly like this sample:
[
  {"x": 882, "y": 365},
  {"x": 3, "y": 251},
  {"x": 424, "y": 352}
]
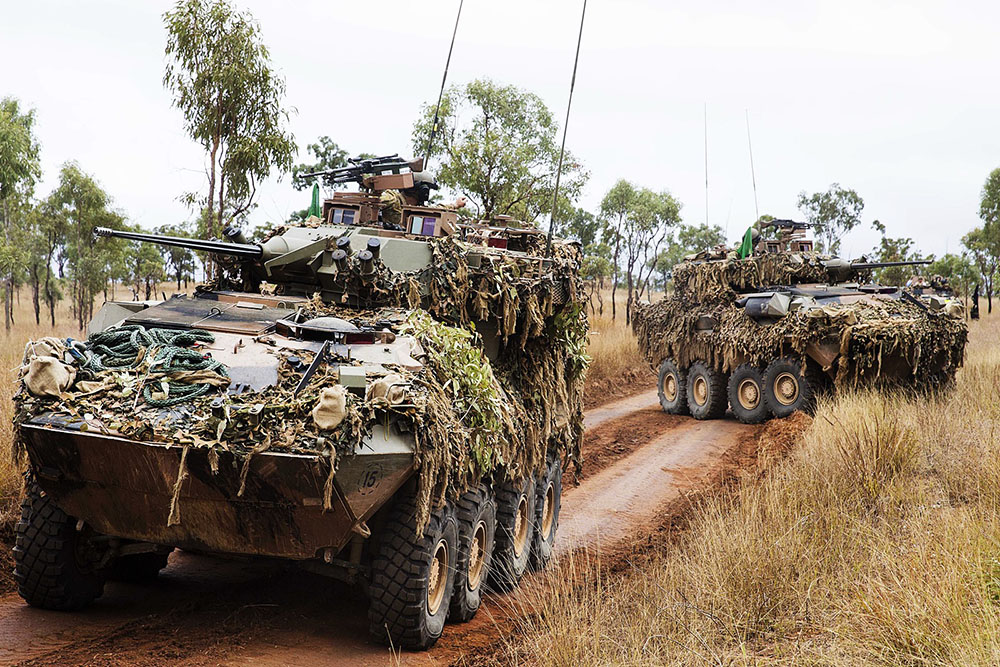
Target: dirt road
[{"x": 207, "y": 611}]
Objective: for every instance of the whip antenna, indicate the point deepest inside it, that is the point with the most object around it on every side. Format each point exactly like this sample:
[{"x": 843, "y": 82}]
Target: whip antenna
[
  {"x": 444, "y": 78},
  {"x": 706, "y": 164},
  {"x": 753, "y": 177},
  {"x": 562, "y": 150}
]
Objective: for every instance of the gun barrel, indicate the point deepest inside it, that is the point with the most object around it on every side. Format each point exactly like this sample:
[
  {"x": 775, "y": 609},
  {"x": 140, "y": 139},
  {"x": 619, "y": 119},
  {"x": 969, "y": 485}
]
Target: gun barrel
[
  {"x": 882, "y": 265},
  {"x": 243, "y": 250}
]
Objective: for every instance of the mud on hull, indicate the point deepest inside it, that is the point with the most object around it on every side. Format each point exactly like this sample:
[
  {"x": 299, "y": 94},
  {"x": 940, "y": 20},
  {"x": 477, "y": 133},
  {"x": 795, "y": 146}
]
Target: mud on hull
[{"x": 125, "y": 489}]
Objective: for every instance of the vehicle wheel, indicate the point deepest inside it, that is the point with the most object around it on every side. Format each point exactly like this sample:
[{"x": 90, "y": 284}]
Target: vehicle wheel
[
  {"x": 746, "y": 395},
  {"x": 515, "y": 532},
  {"x": 412, "y": 577},
  {"x": 477, "y": 520},
  {"x": 56, "y": 566},
  {"x": 706, "y": 391},
  {"x": 548, "y": 500},
  {"x": 670, "y": 385},
  {"x": 138, "y": 567},
  {"x": 785, "y": 389}
]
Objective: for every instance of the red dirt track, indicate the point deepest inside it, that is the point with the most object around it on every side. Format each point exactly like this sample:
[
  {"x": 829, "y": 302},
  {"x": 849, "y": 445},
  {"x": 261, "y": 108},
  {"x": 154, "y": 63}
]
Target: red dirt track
[{"x": 208, "y": 611}]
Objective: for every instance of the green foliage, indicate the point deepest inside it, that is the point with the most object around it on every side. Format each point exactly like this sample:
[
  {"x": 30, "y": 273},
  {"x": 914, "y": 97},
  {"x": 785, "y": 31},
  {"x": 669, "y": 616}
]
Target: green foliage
[
  {"x": 958, "y": 270},
  {"x": 580, "y": 225},
  {"x": 989, "y": 207},
  {"x": 498, "y": 148},
  {"x": 328, "y": 156},
  {"x": 220, "y": 74},
  {"x": 19, "y": 149},
  {"x": 19, "y": 170},
  {"x": 180, "y": 262},
  {"x": 832, "y": 214},
  {"x": 80, "y": 204},
  {"x": 468, "y": 378},
  {"x": 145, "y": 268},
  {"x": 637, "y": 223},
  {"x": 894, "y": 250}
]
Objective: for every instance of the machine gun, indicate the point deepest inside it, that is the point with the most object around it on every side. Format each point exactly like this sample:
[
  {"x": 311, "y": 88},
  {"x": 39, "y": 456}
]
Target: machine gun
[
  {"x": 785, "y": 224},
  {"x": 841, "y": 270},
  {"x": 360, "y": 168}
]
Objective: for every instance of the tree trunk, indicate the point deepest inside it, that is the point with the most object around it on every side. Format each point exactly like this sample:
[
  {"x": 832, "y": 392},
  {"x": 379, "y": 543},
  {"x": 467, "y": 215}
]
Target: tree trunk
[{"x": 35, "y": 293}]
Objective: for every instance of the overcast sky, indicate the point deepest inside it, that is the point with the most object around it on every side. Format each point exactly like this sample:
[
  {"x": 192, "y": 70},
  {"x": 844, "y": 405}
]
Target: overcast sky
[{"x": 897, "y": 100}]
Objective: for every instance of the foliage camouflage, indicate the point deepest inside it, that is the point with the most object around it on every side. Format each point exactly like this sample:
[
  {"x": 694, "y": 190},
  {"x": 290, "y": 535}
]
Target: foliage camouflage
[
  {"x": 866, "y": 332},
  {"x": 470, "y": 418}
]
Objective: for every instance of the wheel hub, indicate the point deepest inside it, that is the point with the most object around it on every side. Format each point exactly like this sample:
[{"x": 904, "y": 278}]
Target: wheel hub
[
  {"x": 521, "y": 527},
  {"x": 748, "y": 394},
  {"x": 786, "y": 388},
  {"x": 548, "y": 510},
  {"x": 437, "y": 578},
  {"x": 700, "y": 390},
  {"x": 670, "y": 387},
  {"x": 477, "y": 556}
]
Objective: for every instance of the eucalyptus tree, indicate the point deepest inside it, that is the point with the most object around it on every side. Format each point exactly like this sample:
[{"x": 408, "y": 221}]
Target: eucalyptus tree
[
  {"x": 80, "y": 204},
  {"x": 220, "y": 74},
  {"x": 832, "y": 214},
  {"x": 498, "y": 147},
  {"x": 19, "y": 171}
]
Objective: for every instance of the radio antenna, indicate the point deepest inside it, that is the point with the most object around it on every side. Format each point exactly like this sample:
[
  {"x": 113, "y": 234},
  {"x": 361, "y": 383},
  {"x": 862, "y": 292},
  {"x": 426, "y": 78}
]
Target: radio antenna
[
  {"x": 562, "y": 150},
  {"x": 444, "y": 78},
  {"x": 753, "y": 176},
  {"x": 706, "y": 164}
]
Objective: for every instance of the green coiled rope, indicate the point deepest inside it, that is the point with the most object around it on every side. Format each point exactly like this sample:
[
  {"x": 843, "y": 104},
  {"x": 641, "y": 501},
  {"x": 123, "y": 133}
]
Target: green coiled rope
[{"x": 118, "y": 349}]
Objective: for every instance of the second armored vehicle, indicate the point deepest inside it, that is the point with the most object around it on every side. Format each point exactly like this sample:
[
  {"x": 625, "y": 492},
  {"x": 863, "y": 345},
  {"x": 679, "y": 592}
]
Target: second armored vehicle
[{"x": 764, "y": 333}]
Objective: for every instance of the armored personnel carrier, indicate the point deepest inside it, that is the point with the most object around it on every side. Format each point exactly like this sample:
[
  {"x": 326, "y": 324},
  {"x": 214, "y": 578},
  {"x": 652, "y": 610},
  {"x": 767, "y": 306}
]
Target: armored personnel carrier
[
  {"x": 764, "y": 333},
  {"x": 383, "y": 394}
]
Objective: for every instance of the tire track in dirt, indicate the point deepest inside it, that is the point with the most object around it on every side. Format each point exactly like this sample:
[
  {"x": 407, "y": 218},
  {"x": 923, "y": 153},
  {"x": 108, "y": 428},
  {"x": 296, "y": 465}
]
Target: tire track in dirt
[{"x": 208, "y": 611}]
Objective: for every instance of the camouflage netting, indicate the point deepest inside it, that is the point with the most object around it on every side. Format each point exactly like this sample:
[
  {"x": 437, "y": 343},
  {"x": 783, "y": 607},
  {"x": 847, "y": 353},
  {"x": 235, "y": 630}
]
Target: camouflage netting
[
  {"x": 721, "y": 280},
  {"x": 470, "y": 418},
  {"x": 872, "y": 339}
]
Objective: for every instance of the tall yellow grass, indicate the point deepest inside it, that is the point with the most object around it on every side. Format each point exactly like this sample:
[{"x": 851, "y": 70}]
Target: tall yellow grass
[
  {"x": 877, "y": 541},
  {"x": 613, "y": 349}
]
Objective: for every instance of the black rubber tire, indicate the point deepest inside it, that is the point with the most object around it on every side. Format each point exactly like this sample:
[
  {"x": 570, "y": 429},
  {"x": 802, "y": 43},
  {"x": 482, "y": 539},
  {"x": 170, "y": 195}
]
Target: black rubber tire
[
  {"x": 512, "y": 546},
  {"x": 678, "y": 405},
  {"x": 138, "y": 567},
  {"x": 475, "y": 508},
  {"x": 545, "y": 540},
  {"x": 399, "y": 611},
  {"x": 800, "y": 399},
  {"x": 714, "y": 406},
  {"x": 742, "y": 375},
  {"x": 47, "y": 563}
]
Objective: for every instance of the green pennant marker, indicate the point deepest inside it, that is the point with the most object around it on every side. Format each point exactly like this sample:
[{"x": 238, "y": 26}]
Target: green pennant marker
[
  {"x": 746, "y": 248},
  {"x": 315, "y": 208}
]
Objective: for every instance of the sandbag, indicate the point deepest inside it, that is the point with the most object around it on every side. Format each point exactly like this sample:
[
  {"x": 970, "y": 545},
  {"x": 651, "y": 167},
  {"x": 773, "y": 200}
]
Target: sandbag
[
  {"x": 390, "y": 388},
  {"x": 331, "y": 408},
  {"x": 48, "y": 376}
]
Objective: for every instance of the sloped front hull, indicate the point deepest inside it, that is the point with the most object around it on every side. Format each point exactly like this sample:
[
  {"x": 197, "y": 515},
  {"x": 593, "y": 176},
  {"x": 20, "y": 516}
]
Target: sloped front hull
[{"x": 125, "y": 489}]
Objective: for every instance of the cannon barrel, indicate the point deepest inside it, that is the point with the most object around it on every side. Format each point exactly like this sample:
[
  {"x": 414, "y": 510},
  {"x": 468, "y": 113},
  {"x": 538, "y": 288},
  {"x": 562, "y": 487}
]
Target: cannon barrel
[
  {"x": 864, "y": 266},
  {"x": 242, "y": 250},
  {"x": 841, "y": 269}
]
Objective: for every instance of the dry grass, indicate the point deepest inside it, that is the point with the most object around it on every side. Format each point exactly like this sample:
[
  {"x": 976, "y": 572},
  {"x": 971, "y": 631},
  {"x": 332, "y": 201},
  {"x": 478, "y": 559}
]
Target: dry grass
[
  {"x": 876, "y": 541},
  {"x": 613, "y": 349}
]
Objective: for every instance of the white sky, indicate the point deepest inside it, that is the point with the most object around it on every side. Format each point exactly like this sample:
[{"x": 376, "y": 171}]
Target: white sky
[{"x": 898, "y": 100}]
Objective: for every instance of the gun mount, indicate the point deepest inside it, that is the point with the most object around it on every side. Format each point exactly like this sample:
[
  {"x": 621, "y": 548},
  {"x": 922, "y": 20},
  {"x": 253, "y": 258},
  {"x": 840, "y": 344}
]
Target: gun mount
[{"x": 377, "y": 173}]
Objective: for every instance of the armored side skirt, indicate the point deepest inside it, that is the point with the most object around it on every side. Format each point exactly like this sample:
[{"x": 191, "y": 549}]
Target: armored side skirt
[{"x": 125, "y": 489}]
